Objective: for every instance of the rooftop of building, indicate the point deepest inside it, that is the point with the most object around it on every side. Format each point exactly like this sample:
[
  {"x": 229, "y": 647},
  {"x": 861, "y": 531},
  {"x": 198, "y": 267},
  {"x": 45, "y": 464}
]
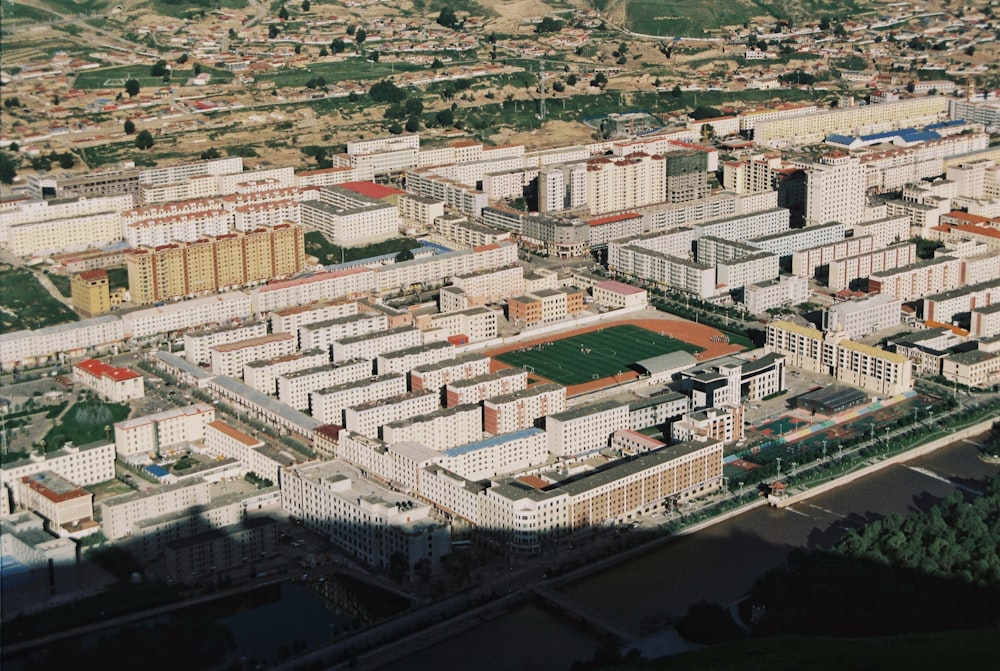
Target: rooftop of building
[
  {"x": 54, "y": 487},
  {"x": 99, "y": 368},
  {"x": 587, "y": 409},
  {"x": 192, "y": 410}
]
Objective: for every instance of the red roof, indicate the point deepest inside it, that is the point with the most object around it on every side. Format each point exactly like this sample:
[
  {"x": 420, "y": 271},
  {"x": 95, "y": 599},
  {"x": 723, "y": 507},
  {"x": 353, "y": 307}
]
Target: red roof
[
  {"x": 618, "y": 287},
  {"x": 93, "y": 275},
  {"x": 371, "y": 189},
  {"x": 100, "y": 369},
  {"x": 613, "y": 218},
  {"x": 533, "y": 481}
]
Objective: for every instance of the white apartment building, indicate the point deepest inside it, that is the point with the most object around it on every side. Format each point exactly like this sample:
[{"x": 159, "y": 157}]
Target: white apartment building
[
  {"x": 805, "y": 261},
  {"x": 263, "y": 374},
  {"x": 311, "y": 288},
  {"x": 223, "y": 440},
  {"x": 436, "y": 375},
  {"x": 371, "y": 523},
  {"x": 370, "y": 345},
  {"x": 787, "y": 243},
  {"x": 864, "y": 119},
  {"x": 859, "y": 318},
  {"x": 322, "y": 334},
  {"x": 396, "y": 464},
  {"x": 658, "y": 409},
  {"x": 521, "y": 410},
  {"x": 918, "y": 279},
  {"x": 666, "y": 271},
  {"x": 678, "y": 242},
  {"x": 738, "y": 273},
  {"x": 153, "y": 434},
  {"x": 80, "y": 464},
  {"x": 219, "y": 309},
  {"x": 289, "y": 320},
  {"x": 477, "y": 389},
  {"x": 63, "y": 503},
  {"x": 835, "y": 189},
  {"x": 63, "y": 209},
  {"x": 466, "y": 199},
  {"x": 841, "y": 272},
  {"x": 870, "y": 368},
  {"x": 985, "y": 321},
  {"x": 632, "y": 443},
  {"x": 615, "y": 226},
  {"x": 451, "y": 493},
  {"x": 441, "y": 429},
  {"x": 121, "y": 515},
  {"x": 496, "y": 456},
  {"x": 262, "y": 407},
  {"x": 328, "y": 405},
  {"x": 64, "y": 235},
  {"x": 386, "y": 161},
  {"x": 254, "y": 215},
  {"x": 885, "y": 231},
  {"x": 943, "y": 306},
  {"x": 438, "y": 269},
  {"x": 420, "y": 210},
  {"x": 784, "y": 291},
  {"x": 326, "y": 176},
  {"x": 745, "y": 226},
  {"x": 492, "y": 285},
  {"x": 188, "y": 226},
  {"x": 179, "y": 173},
  {"x": 198, "y": 344},
  {"x": 294, "y": 387},
  {"x": 750, "y": 118},
  {"x": 625, "y": 183},
  {"x": 460, "y": 233},
  {"x": 69, "y": 340},
  {"x": 403, "y": 360},
  {"x": 368, "y": 418},
  {"x": 113, "y": 383},
  {"x": 977, "y": 368},
  {"x": 351, "y": 221},
  {"x": 475, "y": 324},
  {"x": 585, "y": 428},
  {"x": 229, "y": 358}
]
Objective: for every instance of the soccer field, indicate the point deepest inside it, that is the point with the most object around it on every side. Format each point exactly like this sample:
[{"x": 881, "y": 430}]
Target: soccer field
[{"x": 593, "y": 355}]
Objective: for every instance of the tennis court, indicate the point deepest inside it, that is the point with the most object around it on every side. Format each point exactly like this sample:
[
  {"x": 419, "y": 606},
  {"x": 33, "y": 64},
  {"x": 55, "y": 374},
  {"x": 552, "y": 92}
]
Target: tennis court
[
  {"x": 781, "y": 426},
  {"x": 594, "y": 355}
]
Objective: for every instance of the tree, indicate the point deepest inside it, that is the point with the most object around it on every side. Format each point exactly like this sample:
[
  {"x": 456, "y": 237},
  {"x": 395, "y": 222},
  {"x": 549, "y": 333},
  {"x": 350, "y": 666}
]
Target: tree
[
  {"x": 232, "y": 34},
  {"x": 283, "y": 13},
  {"x": 66, "y": 160},
  {"x": 386, "y": 92},
  {"x": 373, "y": 56},
  {"x": 571, "y": 80},
  {"x": 548, "y": 25},
  {"x": 436, "y": 64},
  {"x": 159, "y": 69},
  {"x": 600, "y": 79},
  {"x": 676, "y": 91},
  {"x": 404, "y": 255},
  {"x": 448, "y": 19},
  {"x": 272, "y": 31},
  {"x": 9, "y": 163},
  {"x": 182, "y": 59},
  {"x": 445, "y": 117},
  {"x": 395, "y": 128},
  {"x": 144, "y": 140},
  {"x": 11, "y": 101},
  {"x": 414, "y": 106},
  {"x": 210, "y": 154},
  {"x": 970, "y": 50},
  {"x": 323, "y": 53},
  {"x": 337, "y": 45},
  {"x": 129, "y": 127},
  {"x": 306, "y": 5},
  {"x": 298, "y": 48},
  {"x": 360, "y": 36},
  {"x": 351, "y": 28},
  {"x": 824, "y": 23},
  {"x": 197, "y": 69},
  {"x": 412, "y": 124},
  {"x": 705, "y": 112},
  {"x": 132, "y": 87}
]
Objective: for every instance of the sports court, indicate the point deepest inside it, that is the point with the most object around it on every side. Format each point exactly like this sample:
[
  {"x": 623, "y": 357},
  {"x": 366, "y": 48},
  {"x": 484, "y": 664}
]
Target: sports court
[
  {"x": 591, "y": 356},
  {"x": 781, "y": 426}
]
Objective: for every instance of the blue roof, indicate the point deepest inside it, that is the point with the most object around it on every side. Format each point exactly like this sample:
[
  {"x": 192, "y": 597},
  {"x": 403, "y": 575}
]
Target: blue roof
[
  {"x": 491, "y": 442},
  {"x": 840, "y": 139},
  {"x": 906, "y": 134},
  {"x": 158, "y": 471},
  {"x": 946, "y": 124}
]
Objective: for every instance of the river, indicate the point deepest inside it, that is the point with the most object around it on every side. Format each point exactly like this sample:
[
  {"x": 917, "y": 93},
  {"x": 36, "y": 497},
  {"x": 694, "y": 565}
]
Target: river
[{"x": 718, "y": 564}]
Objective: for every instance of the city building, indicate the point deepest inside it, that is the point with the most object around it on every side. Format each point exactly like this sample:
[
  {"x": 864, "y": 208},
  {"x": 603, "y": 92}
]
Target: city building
[
  {"x": 229, "y": 358},
  {"x": 155, "y": 434},
  {"x": 113, "y": 383},
  {"x": 862, "y": 317},
  {"x": 585, "y": 428},
  {"x": 91, "y": 293}
]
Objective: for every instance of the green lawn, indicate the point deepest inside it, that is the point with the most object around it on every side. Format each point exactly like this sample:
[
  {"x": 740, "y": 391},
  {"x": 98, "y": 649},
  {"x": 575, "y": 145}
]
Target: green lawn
[
  {"x": 594, "y": 355},
  {"x": 113, "y": 78},
  {"x": 24, "y": 304},
  {"x": 62, "y": 283},
  {"x": 683, "y": 17},
  {"x": 330, "y": 254},
  {"x": 353, "y": 69}
]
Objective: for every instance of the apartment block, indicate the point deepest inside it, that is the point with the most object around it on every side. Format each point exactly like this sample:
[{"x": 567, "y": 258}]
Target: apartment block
[
  {"x": 441, "y": 429},
  {"x": 466, "y": 199},
  {"x": 842, "y": 272},
  {"x": 221, "y": 309},
  {"x": 235, "y": 259},
  {"x": 121, "y": 515},
  {"x": 113, "y": 383},
  {"x": 368, "y": 418},
  {"x": 198, "y": 344},
  {"x": 918, "y": 279},
  {"x": 632, "y": 443},
  {"x": 294, "y": 387},
  {"x": 478, "y": 324},
  {"x": 224, "y": 440},
  {"x": 585, "y": 428},
  {"x": 977, "y": 368},
  {"x": 492, "y": 285},
  {"x": 328, "y": 405},
  {"x": 746, "y": 226},
  {"x": 522, "y": 409},
  {"x": 64, "y": 235},
  {"x": 496, "y": 456},
  {"x": 985, "y": 321},
  {"x": 403, "y": 360},
  {"x": 784, "y": 291},
  {"x": 945, "y": 306},
  {"x": 187, "y": 227},
  {"x": 436, "y": 375},
  {"x": 289, "y": 320},
  {"x": 371, "y": 523},
  {"x": 787, "y": 243},
  {"x": 657, "y": 409},
  {"x": 322, "y": 334},
  {"x": 229, "y": 358},
  {"x": 348, "y": 218},
  {"x": 263, "y": 374},
  {"x": 661, "y": 269},
  {"x": 884, "y": 231},
  {"x": 806, "y": 261},
  {"x": 617, "y": 295},
  {"x": 461, "y": 233},
  {"x": 154, "y": 434},
  {"x": 369, "y": 346},
  {"x": 64, "y": 504},
  {"x": 477, "y": 389},
  {"x": 80, "y": 464},
  {"x": 738, "y": 273},
  {"x": 311, "y": 288},
  {"x": 436, "y": 270},
  {"x": 90, "y": 293},
  {"x": 862, "y": 317}
]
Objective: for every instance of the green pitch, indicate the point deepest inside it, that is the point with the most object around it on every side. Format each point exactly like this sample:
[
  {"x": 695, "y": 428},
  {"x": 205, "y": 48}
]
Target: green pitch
[{"x": 593, "y": 355}]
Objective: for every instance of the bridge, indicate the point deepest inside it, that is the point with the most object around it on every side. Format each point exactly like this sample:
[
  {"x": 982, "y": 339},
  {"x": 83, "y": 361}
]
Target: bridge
[{"x": 577, "y": 610}]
